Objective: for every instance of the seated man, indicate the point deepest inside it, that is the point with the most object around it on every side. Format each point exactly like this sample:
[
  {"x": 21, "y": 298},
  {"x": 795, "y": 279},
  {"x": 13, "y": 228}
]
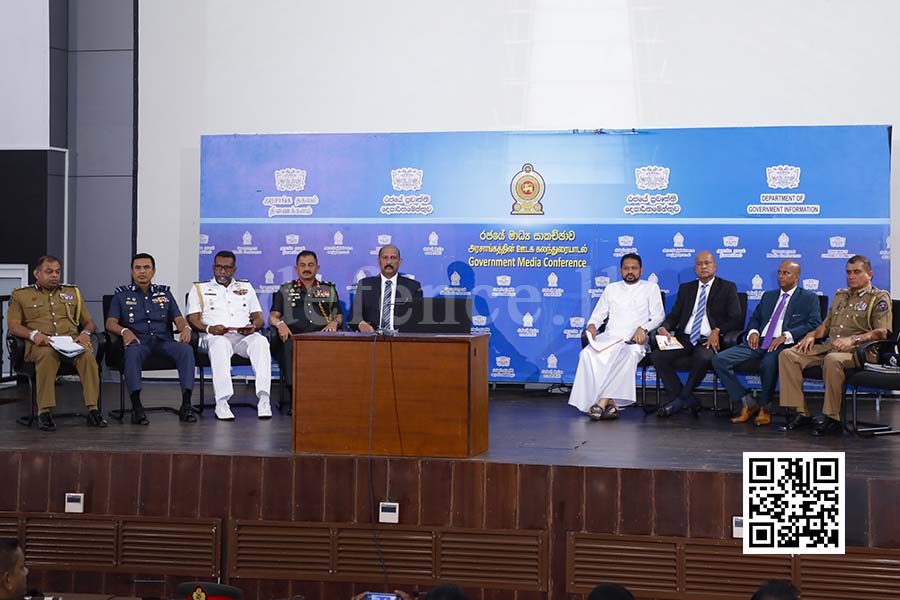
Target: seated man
[
  {"x": 228, "y": 313},
  {"x": 303, "y": 305},
  {"x": 604, "y": 381},
  {"x": 782, "y": 317},
  {"x": 382, "y": 301},
  {"x": 143, "y": 313},
  {"x": 859, "y": 313},
  {"x": 50, "y": 308},
  {"x": 704, "y": 309},
  {"x": 13, "y": 572}
]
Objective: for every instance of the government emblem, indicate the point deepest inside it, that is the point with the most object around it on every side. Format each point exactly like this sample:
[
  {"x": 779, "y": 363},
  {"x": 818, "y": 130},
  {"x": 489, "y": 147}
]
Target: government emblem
[{"x": 527, "y": 189}]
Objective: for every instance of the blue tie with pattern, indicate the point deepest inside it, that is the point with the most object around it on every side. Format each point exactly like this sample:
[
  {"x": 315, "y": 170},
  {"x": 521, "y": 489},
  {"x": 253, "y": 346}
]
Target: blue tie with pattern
[
  {"x": 386, "y": 306},
  {"x": 698, "y": 318}
]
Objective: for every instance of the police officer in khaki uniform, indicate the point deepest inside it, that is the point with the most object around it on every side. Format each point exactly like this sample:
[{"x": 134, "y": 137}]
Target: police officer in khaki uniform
[
  {"x": 859, "y": 313},
  {"x": 49, "y": 308},
  {"x": 303, "y": 305}
]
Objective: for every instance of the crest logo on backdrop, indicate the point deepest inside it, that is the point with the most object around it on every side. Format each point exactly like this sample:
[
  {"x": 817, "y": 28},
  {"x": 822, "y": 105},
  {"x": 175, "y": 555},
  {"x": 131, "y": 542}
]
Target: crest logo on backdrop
[{"x": 527, "y": 189}]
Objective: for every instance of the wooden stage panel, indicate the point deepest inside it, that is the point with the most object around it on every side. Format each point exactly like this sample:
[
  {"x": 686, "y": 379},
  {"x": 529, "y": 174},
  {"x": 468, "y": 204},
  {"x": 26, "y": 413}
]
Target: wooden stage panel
[{"x": 428, "y": 397}]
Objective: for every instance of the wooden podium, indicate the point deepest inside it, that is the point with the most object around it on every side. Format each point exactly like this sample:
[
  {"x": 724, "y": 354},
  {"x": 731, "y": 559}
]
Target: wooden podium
[{"x": 426, "y": 394}]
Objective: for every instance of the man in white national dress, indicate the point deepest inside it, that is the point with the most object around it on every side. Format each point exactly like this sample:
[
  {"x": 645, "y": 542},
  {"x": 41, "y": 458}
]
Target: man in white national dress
[{"x": 604, "y": 381}]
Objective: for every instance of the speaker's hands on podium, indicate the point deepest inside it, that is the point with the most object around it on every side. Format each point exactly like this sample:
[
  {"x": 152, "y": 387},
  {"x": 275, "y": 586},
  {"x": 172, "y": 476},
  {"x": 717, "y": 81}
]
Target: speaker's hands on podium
[{"x": 365, "y": 327}]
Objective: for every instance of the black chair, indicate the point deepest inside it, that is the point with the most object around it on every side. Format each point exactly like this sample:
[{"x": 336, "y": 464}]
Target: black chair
[
  {"x": 115, "y": 360},
  {"x": 643, "y": 365},
  {"x": 751, "y": 366},
  {"x": 873, "y": 380},
  {"x": 26, "y": 370},
  {"x": 683, "y": 363}
]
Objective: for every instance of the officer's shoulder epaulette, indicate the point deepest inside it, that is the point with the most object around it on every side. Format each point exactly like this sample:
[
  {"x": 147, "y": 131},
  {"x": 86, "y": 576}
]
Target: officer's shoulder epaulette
[
  {"x": 123, "y": 288},
  {"x": 842, "y": 291},
  {"x": 201, "y": 282},
  {"x": 71, "y": 285},
  {"x": 242, "y": 280},
  {"x": 26, "y": 287},
  {"x": 331, "y": 283},
  {"x": 161, "y": 287}
]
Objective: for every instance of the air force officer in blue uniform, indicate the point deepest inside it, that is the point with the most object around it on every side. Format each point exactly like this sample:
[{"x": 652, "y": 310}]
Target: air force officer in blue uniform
[
  {"x": 143, "y": 313},
  {"x": 780, "y": 320}
]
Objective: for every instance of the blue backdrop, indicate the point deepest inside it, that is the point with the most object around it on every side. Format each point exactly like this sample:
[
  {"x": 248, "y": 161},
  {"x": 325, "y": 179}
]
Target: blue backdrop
[{"x": 532, "y": 225}]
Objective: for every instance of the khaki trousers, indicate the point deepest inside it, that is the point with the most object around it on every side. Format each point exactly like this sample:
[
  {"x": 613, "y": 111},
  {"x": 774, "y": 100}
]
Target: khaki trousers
[
  {"x": 46, "y": 363},
  {"x": 790, "y": 375}
]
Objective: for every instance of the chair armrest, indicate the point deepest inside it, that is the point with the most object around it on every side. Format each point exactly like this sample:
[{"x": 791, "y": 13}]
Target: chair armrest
[
  {"x": 732, "y": 338},
  {"x": 16, "y": 348},
  {"x": 115, "y": 351},
  {"x": 877, "y": 346}
]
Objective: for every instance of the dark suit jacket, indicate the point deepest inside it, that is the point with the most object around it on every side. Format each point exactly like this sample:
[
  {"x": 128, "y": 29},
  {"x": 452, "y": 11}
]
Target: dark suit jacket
[
  {"x": 801, "y": 315},
  {"x": 367, "y": 301},
  {"x": 723, "y": 308}
]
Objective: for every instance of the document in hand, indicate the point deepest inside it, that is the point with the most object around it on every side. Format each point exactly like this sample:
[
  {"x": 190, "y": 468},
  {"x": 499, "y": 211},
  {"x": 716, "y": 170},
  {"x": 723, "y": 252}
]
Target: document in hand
[
  {"x": 668, "y": 343},
  {"x": 603, "y": 341},
  {"x": 66, "y": 346}
]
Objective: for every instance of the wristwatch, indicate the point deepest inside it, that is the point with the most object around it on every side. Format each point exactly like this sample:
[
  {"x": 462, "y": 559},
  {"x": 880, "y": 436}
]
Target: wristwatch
[{"x": 855, "y": 339}]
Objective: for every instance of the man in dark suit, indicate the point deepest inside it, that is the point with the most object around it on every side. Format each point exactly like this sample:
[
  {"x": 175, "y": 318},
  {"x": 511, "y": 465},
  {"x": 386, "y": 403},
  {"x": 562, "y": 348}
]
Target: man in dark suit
[
  {"x": 705, "y": 308},
  {"x": 384, "y": 302},
  {"x": 781, "y": 318}
]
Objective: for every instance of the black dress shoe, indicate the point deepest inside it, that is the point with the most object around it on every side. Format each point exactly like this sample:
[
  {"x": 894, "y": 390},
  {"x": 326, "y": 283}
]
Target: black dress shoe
[
  {"x": 827, "y": 426},
  {"x": 138, "y": 416},
  {"x": 186, "y": 414},
  {"x": 45, "y": 422},
  {"x": 95, "y": 419},
  {"x": 671, "y": 408},
  {"x": 797, "y": 422}
]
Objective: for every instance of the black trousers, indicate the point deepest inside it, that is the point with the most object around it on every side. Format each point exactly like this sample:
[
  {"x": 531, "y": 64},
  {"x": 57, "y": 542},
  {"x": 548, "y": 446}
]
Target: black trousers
[{"x": 700, "y": 358}]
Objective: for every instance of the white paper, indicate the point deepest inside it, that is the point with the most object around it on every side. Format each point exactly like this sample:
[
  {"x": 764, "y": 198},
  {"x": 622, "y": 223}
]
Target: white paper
[
  {"x": 668, "y": 343},
  {"x": 66, "y": 346}
]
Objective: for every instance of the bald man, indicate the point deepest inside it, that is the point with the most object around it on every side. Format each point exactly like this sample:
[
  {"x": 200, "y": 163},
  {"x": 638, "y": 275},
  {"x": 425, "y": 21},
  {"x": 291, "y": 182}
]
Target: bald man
[{"x": 705, "y": 309}]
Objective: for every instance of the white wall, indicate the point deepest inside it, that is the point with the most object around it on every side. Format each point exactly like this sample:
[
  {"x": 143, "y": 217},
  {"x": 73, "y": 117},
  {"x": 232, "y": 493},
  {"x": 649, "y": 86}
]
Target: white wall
[
  {"x": 24, "y": 74},
  {"x": 213, "y": 66}
]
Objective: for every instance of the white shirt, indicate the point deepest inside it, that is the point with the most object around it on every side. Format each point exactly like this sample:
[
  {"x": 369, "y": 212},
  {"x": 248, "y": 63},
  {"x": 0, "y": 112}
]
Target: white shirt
[
  {"x": 393, "y": 281},
  {"x": 705, "y": 328},
  {"x": 788, "y": 338},
  {"x": 230, "y": 306},
  {"x": 628, "y": 307}
]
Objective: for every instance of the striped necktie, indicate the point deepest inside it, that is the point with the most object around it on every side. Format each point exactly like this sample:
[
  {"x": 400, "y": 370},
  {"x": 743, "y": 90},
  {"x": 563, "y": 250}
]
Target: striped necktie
[
  {"x": 386, "y": 305},
  {"x": 698, "y": 318}
]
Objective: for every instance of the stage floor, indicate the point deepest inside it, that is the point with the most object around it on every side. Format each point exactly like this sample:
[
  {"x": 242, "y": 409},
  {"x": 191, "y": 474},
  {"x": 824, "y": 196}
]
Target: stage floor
[{"x": 526, "y": 427}]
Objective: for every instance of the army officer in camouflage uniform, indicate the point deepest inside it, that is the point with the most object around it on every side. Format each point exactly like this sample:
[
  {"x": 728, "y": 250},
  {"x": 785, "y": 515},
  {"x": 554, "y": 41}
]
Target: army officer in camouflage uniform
[
  {"x": 303, "y": 305},
  {"x": 50, "y": 308},
  {"x": 859, "y": 313}
]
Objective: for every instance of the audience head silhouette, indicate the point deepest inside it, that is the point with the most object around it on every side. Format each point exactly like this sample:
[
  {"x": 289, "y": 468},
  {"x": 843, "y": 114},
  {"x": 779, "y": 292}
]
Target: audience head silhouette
[
  {"x": 610, "y": 591},
  {"x": 777, "y": 589}
]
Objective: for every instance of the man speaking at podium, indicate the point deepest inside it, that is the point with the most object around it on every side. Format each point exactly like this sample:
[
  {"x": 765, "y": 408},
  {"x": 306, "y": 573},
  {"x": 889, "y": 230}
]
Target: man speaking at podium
[{"x": 385, "y": 297}]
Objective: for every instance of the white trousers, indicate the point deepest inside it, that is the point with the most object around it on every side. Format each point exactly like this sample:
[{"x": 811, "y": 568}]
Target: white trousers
[
  {"x": 609, "y": 374},
  {"x": 222, "y": 347}
]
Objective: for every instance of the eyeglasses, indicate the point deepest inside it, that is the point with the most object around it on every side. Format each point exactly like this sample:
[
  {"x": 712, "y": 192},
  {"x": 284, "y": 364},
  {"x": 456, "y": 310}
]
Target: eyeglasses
[{"x": 223, "y": 267}]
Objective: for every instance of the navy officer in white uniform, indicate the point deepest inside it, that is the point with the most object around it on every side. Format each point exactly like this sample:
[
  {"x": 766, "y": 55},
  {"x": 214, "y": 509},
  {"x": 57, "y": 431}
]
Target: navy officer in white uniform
[{"x": 227, "y": 313}]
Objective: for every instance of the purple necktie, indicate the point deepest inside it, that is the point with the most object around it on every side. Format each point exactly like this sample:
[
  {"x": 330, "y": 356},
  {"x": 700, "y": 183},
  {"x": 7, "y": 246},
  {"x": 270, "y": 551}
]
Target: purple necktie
[{"x": 773, "y": 322}]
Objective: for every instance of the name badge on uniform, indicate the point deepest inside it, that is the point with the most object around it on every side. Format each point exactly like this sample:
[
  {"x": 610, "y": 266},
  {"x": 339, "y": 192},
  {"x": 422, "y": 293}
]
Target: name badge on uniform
[{"x": 130, "y": 302}]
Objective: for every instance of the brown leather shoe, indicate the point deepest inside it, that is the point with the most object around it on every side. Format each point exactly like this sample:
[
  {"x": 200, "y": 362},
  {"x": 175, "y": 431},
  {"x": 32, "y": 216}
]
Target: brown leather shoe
[
  {"x": 746, "y": 413},
  {"x": 763, "y": 418}
]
